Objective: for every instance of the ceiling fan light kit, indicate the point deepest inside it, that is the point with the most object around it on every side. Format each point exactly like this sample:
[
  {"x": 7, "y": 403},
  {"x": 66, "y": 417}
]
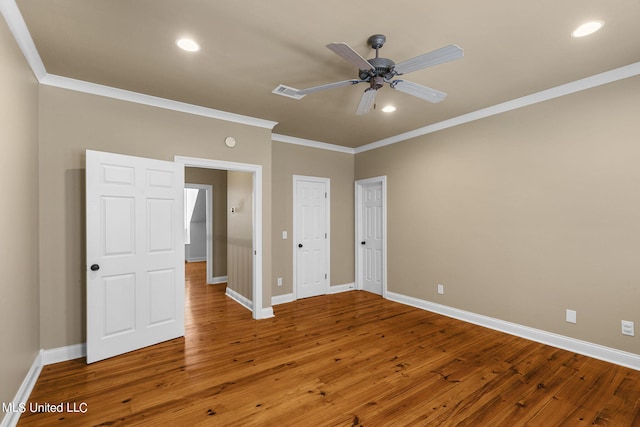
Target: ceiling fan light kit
[{"x": 380, "y": 71}]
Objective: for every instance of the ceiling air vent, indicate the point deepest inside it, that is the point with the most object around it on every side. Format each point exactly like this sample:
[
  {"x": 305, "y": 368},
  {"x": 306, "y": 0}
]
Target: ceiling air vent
[{"x": 287, "y": 91}]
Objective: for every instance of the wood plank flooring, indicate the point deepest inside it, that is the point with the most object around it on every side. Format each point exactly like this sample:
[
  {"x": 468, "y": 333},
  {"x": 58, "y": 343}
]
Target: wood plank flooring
[{"x": 351, "y": 359}]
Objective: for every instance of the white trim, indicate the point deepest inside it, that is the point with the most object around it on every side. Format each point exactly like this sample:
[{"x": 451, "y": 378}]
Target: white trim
[
  {"x": 258, "y": 311},
  {"x": 294, "y": 240},
  {"x": 545, "y": 95},
  {"x": 337, "y": 289},
  {"x": 240, "y": 299},
  {"x": 10, "y": 419},
  {"x": 208, "y": 228},
  {"x": 154, "y": 101},
  {"x": 18, "y": 28},
  {"x": 358, "y": 238},
  {"x": 282, "y": 299},
  {"x": 219, "y": 279},
  {"x": 197, "y": 259},
  {"x": 334, "y": 289},
  {"x": 312, "y": 144},
  {"x": 267, "y": 313},
  {"x": 62, "y": 354},
  {"x": 618, "y": 357}
]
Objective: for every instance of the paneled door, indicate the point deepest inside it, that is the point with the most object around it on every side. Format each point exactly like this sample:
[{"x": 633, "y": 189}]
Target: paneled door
[
  {"x": 135, "y": 253},
  {"x": 311, "y": 236},
  {"x": 371, "y": 235}
]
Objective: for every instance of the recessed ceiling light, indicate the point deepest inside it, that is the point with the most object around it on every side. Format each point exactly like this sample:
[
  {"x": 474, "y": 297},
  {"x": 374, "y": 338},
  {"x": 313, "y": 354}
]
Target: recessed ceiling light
[
  {"x": 587, "y": 28},
  {"x": 188, "y": 45},
  {"x": 389, "y": 109}
]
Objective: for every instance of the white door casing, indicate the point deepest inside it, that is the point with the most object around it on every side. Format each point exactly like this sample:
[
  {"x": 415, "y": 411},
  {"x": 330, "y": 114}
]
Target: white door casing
[
  {"x": 135, "y": 253},
  {"x": 371, "y": 235},
  {"x": 258, "y": 311},
  {"x": 310, "y": 236}
]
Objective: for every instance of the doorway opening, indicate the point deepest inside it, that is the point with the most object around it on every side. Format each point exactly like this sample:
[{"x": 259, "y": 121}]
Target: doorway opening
[
  {"x": 254, "y": 212},
  {"x": 203, "y": 236}
]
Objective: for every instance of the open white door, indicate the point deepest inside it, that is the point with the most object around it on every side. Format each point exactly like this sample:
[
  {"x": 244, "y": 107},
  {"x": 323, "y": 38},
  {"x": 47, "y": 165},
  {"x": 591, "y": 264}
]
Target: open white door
[{"x": 135, "y": 253}]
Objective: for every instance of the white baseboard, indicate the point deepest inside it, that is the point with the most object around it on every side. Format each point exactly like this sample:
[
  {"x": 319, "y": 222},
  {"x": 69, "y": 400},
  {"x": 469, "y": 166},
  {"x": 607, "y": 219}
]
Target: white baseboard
[
  {"x": 62, "y": 354},
  {"x": 267, "y": 313},
  {"x": 336, "y": 289},
  {"x": 597, "y": 351},
  {"x": 11, "y": 418},
  {"x": 242, "y": 300},
  {"x": 282, "y": 299},
  {"x": 196, "y": 259},
  {"x": 217, "y": 280}
]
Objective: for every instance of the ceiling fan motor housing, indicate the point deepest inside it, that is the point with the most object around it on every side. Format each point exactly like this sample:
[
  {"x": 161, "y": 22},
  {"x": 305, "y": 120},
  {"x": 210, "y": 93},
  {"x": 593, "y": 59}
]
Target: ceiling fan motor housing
[{"x": 383, "y": 68}]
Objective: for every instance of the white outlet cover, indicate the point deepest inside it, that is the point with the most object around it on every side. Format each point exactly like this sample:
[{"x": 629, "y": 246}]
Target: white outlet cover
[
  {"x": 440, "y": 289},
  {"x": 571, "y": 316}
]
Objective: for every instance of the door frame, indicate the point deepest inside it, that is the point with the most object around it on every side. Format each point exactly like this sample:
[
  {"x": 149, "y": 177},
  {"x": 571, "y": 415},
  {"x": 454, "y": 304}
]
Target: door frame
[
  {"x": 294, "y": 240},
  {"x": 359, "y": 184},
  {"x": 259, "y": 312},
  {"x": 208, "y": 189}
]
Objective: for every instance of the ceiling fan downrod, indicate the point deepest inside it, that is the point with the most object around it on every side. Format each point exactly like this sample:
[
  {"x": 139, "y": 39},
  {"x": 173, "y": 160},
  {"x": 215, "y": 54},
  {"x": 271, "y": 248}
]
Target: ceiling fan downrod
[{"x": 383, "y": 66}]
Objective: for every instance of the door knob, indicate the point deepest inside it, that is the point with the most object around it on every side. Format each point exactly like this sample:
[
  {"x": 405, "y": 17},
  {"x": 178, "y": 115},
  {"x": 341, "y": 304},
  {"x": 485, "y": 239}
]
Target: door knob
[
  {"x": 95, "y": 267},
  {"x": 363, "y": 243},
  {"x": 299, "y": 245}
]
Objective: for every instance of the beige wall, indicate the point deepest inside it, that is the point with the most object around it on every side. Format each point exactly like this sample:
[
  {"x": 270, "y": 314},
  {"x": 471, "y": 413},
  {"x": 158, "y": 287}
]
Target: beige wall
[
  {"x": 524, "y": 215},
  {"x": 217, "y": 179},
  {"x": 72, "y": 122},
  {"x": 19, "y": 310},
  {"x": 289, "y": 160},
  {"x": 240, "y": 233}
]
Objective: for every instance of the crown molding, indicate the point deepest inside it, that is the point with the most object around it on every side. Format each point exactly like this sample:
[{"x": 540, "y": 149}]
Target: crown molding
[
  {"x": 154, "y": 101},
  {"x": 314, "y": 144},
  {"x": 18, "y": 28},
  {"x": 545, "y": 95}
]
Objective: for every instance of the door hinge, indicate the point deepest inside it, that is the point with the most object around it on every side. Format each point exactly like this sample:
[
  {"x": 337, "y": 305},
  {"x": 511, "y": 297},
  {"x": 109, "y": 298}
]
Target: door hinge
[
  {"x": 325, "y": 275},
  {"x": 325, "y": 195},
  {"x": 325, "y": 235}
]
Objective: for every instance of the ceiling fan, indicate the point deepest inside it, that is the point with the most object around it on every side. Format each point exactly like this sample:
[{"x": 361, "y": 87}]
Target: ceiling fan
[{"x": 378, "y": 71}]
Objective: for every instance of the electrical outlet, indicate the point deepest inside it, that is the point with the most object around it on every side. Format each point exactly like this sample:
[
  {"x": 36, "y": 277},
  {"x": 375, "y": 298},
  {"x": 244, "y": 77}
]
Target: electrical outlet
[
  {"x": 279, "y": 281},
  {"x": 627, "y": 328},
  {"x": 440, "y": 289},
  {"x": 571, "y": 316}
]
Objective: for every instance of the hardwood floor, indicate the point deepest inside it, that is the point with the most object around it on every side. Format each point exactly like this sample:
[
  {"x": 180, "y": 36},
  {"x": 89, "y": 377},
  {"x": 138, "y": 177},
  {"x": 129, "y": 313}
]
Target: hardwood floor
[{"x": 349, "y": 359}]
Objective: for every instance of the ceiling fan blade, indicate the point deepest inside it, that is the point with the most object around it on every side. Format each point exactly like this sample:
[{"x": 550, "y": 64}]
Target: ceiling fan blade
[
  {"x": 366, "y": 102},
  {"x": 327, "y": 86},
  {"x": 438, "y": 56},
  {"x": 419, "y": 91},
  {"x": 346, "y": 52}
]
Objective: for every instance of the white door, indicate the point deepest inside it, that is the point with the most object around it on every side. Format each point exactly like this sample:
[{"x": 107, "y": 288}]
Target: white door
[
  {"x": 371, "y": 236},
  {"x": 311, "y": 236},
  {"x": 135, "y": 253}
]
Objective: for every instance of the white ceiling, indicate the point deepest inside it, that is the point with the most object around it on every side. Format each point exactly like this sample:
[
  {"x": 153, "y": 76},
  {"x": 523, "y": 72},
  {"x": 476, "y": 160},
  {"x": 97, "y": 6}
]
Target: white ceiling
[{"x": 512, "y": 49}]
